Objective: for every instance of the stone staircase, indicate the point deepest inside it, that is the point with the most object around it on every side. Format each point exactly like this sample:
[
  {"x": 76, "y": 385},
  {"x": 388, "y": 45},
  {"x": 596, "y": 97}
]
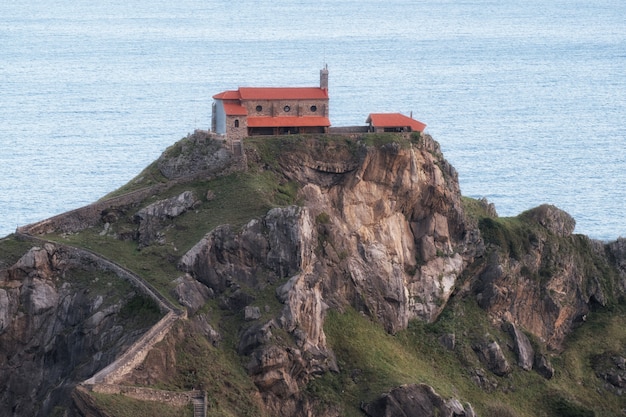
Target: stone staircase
[{"x": 199, "y": 406}]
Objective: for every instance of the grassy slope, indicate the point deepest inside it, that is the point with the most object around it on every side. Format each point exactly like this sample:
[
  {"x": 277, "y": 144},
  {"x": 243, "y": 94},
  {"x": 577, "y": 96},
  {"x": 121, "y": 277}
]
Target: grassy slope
[{"x": 371, "y": 361}]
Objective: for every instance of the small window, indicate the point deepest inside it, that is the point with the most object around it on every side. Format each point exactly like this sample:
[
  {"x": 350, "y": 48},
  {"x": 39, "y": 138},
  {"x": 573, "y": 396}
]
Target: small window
[
  {"x": 259, "y": 108},
  {"x": 236, "y": 122},
  {"x": 286, "y": 109},
  {"x": 314, "y": 108}
]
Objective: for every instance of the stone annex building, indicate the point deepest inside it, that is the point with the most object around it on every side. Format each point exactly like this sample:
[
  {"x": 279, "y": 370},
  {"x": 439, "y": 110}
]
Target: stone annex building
[{"x": 254, "y": 111}]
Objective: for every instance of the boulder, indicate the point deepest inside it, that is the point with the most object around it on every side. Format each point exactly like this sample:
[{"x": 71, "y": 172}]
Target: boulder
[
  {"x": 251, "y": 313},
  {"x": 271, "y": 371},
  {"x": 191, "y": 293},
  {"x": 491, "y": 355},
  {"x": 448, "y": 340},
  {"x": 272, "y": 247},
  {"x": 254, "y": 337},
  {"x": 480, "y": 378},
  {"x": 522, "y": 346},
  {"x": 5, "y": 313},
  {"x": 611, "y": 368},
  {"x": 543, "y": 366},
  {"x": 416, "y": 400},
  {"x": 153, "y": 218}
]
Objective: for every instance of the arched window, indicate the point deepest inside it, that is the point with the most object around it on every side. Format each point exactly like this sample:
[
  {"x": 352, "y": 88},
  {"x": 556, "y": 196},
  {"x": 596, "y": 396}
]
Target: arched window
[
  {"x": 236, "y": 122},
  {"x": 286, "y": 109}
]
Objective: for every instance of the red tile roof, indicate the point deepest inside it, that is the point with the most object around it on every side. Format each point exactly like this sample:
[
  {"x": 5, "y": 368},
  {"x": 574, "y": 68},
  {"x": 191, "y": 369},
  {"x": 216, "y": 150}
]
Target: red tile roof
[
  {"x": 274, "y": 93},
  {"x": 394, "y": 120},
  {"x": 228, "y": 95},
  {"x": 232, "y": 109},
  {"x": 288, "y": 121},
  {"x": 282, "y": 93}
]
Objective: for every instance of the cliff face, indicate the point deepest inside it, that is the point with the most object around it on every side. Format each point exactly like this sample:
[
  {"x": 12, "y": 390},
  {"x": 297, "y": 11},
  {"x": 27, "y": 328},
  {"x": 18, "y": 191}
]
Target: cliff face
[{"x": 380, "y": 230}]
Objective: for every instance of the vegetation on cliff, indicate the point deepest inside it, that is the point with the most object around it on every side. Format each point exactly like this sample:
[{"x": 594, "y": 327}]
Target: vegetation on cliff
[{"x": 323, "y": 271}]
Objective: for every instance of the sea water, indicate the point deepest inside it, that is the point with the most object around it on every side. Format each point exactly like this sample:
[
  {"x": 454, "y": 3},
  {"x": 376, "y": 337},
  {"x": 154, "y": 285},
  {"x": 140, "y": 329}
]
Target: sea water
[{"x": 527, "y": 99}]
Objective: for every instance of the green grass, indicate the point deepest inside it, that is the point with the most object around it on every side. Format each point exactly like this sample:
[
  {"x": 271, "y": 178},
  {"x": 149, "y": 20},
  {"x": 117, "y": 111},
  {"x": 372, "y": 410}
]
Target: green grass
[
  {"x": 154, "y": 264},
  {"x": 273, "y": 149},
  {"x": 511, "y": 234},
  {"x": 380, "y": 139},
  {"x": 372, "y": 362},
  {"x": 218, "y": 371},
  {"x": 12, "y": 249},
  {"x": 238, "y": 198},
  {"x": 474, "y": 210},
  {"x": 604, "y": 331}
]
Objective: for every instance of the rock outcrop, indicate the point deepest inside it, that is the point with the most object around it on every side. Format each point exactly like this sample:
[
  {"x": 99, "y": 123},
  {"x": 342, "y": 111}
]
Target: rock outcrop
[
  {"x": 394, "y": 226},
  {"x": 61, "y": 320},
  {"x": 191, "y": 293},
  {"x": 611, "y": 368},
  {"x": 490, "y": 354},
  {"x": 522, "y": 347},
  {"x": 153, "y": 218},
  {"x": 543, "y": 279},
  {"x": 380, "y": 230},
  {"x": 200, "y": 153}
]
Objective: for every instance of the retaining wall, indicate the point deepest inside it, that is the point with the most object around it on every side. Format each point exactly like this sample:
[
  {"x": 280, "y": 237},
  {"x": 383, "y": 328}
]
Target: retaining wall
[
  {"x": 342, "y": 130},
  {"x": 133, "y": 357},
  {"x": 179, "y": 399}
]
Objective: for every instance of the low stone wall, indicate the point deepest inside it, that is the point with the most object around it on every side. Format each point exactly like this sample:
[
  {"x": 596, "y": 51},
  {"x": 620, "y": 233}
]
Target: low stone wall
[
  {"x": 343, "y": 130},
  {"x": 179, "y": 399}
]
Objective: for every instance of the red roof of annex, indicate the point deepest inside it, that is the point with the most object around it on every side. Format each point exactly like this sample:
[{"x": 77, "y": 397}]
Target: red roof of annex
[{"x": 394, "y": 120}]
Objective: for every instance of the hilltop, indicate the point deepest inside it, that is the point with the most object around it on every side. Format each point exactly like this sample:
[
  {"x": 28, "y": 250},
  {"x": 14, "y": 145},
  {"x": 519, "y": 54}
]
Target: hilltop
[{"x": 314, "y": 275}]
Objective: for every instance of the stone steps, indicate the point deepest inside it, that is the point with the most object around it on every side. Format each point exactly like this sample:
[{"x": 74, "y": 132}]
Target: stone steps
[{"x": 199, "y": 407}]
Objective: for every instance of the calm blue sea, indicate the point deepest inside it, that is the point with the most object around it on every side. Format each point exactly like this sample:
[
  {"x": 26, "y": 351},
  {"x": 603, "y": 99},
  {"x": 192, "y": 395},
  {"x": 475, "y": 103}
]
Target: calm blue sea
[{"x": 528, "y": 99}]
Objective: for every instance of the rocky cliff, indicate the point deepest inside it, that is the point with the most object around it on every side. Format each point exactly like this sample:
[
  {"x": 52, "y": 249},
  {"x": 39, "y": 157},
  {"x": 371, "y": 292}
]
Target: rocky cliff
[
  {"x": 62, "y": 318},
  {"x": 318, "y": 232}
]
